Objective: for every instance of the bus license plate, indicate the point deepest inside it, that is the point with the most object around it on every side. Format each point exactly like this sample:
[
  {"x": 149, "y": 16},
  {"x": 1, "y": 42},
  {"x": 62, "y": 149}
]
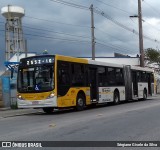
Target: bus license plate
[{"x": 35, "y": 103}]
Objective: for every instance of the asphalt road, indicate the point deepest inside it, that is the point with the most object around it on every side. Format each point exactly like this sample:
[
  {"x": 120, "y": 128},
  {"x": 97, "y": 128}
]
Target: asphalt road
[{"x": 132, "y": 121}]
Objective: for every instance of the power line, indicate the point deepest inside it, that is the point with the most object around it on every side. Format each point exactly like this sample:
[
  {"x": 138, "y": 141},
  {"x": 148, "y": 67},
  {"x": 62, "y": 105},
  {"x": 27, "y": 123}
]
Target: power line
[
  {"x": 155, "y": 12},
  {"x": 71, "y": 4},
  {"x": 153, "y": 9},
  {"x": 113, "y": 6},
  {"x": 48, "y": 30},
  {"x": 55, "y": 38},
  {"x": 106, "y": 16},
  {"x": 151, "y": 25},
  {"x": 51, "y": 21},
  {"x": 71, "y": 40},
  {"x": 66, "y": 34},
  {"x": 86, "y": 8},
  {"x": 153, "y": 40},
  {"x": 128, "y": 12},
  {"x": 102, "y": 31},
  {"x": 116, "y": 46},
  {"x": 116, "y": 22},
  {"x": 51, "y": 31},
  {"x": 122, "y": 25},
  {"x": 98, "y": 12},
  {"x": 123, "y": 41},
  {"x": 113, "y": 47}
]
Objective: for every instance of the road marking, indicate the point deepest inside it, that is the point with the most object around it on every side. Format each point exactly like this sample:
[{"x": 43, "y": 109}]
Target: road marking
[
  {"x": 52, "y": 125},
  {"x": 99, "y": 115}
]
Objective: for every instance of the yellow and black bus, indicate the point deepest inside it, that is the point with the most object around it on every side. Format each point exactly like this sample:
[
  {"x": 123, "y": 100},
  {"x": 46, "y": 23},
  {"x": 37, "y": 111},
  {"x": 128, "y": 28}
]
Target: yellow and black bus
[{"x": 55, "y": 81}]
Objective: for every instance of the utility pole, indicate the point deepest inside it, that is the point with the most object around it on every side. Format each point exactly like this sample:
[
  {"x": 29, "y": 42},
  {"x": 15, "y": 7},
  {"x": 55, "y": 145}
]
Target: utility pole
[
  {"x": 92, "y": 32},
  {"x": 140, "y": 34}
]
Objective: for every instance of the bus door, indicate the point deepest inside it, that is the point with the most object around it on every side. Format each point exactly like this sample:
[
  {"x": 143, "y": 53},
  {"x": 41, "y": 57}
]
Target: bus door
[
  {"x": 93, "y": 84},
  {"x": 149, "y": 84},
  {"x": 135, "y": 83}
]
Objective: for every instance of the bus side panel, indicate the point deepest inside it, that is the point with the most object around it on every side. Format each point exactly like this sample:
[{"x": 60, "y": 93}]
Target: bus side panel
[
  {"x": 106, "y": 94},
  {"x": 141, "y": 87},
  {"x": 69, "y": 100}
]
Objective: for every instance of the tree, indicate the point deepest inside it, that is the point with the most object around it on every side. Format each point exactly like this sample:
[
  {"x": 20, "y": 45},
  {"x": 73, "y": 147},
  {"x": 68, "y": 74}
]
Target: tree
[{"x": 152, "y": 55}]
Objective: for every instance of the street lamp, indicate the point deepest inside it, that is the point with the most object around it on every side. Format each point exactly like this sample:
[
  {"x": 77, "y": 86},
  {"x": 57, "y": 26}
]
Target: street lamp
[{"x": 140, "y": 34}]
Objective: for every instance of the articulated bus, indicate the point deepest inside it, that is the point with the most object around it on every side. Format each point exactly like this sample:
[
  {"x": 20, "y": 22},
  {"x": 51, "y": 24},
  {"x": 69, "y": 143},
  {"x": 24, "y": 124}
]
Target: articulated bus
[{"x": 54, "y": 81}]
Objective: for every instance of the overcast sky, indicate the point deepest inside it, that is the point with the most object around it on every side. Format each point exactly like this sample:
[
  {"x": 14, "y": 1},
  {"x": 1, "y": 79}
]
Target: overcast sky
[{"x": 66, "y": 30}]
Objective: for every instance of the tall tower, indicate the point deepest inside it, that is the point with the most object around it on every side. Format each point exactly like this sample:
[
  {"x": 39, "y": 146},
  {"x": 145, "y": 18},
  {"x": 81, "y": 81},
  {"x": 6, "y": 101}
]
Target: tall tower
[{"x": 15, "y": 43}]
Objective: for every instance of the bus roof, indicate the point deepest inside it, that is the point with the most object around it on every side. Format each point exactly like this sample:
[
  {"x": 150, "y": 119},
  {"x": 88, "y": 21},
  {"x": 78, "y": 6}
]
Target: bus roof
[
  {"x": 86, "y": 61},
  {"x": 36, "y": 56},
  {"x": 71, "y": 59},
  {"x": 141, "y": 68},
  {"x": 94, "y": 62}
]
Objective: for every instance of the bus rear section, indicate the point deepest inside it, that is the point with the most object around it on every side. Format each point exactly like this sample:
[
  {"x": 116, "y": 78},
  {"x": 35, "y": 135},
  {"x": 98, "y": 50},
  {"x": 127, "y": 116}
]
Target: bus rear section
[
  {"x": 106, "y": 82},
  {"x": 139, "y": 82}
]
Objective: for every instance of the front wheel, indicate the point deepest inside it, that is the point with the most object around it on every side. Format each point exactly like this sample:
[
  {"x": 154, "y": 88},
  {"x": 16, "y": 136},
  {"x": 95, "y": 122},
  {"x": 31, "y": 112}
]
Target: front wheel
[
  {"x": 80, "y": 102},
  {"x": 48, "y": 110}
]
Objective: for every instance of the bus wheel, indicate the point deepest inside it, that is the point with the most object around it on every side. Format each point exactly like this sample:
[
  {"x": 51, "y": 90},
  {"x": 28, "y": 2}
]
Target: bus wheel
[
  {"x": 48, "y": 110},
  {"x": 80, "y": 102},
  {"x": 145, "y": 94},
  {"x": 116, "y": 98}
]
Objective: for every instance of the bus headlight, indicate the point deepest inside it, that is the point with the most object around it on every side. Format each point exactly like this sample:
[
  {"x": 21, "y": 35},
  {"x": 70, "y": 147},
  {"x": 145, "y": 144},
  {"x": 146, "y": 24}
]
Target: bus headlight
[
  {"x": 20, "y": 97},
  {"x": 51, "y": 95}
]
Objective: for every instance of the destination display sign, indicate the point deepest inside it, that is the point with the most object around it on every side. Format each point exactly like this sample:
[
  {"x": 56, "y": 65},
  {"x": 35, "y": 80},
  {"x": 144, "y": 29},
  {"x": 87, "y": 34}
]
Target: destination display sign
[{"x": 38, "y": 61}]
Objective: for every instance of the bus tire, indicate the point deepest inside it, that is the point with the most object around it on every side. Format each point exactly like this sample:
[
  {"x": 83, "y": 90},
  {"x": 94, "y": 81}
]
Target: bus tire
[
  {"x": 80, "y": 102},
  {"x": 144, "y": 94},
  {"x": 116, "y": 98},
  {"x": 48, "y": 110}
]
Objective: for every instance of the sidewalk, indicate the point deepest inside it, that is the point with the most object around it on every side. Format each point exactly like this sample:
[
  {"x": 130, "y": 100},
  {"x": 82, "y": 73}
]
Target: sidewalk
[{"x": 8, "y": 112}]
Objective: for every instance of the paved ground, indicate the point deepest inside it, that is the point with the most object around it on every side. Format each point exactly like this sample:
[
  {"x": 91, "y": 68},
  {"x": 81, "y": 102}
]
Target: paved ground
[
  {"x": 133, "y": 121},
  {"x": 7, "y": 112}
]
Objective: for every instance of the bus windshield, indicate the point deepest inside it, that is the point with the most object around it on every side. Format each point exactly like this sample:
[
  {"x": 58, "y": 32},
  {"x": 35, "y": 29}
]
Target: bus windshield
[{"x": 36, "y": 79}]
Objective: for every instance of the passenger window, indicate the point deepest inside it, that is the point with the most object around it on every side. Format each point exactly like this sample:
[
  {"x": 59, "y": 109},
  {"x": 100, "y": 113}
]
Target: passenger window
[
  {"x": 111, "y": 76},
  {"x": 102, "y": 78},
  {"x": 119, "y": 77},
  {"x": 63, "y": 74},
  {"x": 78, "y": 77}
]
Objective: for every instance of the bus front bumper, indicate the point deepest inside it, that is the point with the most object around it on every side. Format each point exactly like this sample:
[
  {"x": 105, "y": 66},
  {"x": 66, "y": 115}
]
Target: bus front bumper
[{"x": 51, "y": 102}]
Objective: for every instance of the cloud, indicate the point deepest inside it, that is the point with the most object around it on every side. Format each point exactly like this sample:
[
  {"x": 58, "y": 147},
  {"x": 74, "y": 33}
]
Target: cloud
[{"x": 112, "y": 37}]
